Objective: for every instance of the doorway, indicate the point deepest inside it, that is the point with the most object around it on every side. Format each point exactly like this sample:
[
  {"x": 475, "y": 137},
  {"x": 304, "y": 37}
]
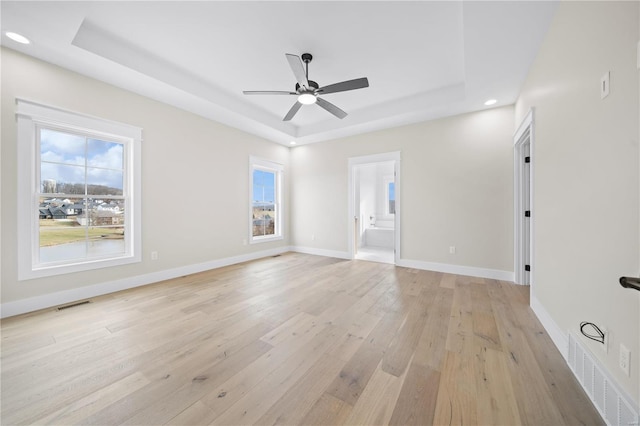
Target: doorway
[
  {"x": 523, "y": 196},
  {"x": 374, "y": 208}
]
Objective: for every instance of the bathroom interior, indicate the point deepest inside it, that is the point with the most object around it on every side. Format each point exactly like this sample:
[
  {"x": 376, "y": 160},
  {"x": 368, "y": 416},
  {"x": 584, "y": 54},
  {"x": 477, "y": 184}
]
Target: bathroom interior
[{"x": 375, "y": 212}]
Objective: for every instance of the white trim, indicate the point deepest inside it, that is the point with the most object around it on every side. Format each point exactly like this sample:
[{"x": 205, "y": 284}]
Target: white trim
[
  {"x": 22, "y": 306},
  {"x": 321, "y": 252},
  {"x": 559, "y": 338},
  {"x": 30, "y": 116},
  {"x": 43, "y": 113},
  {"x": 394, "y": 156},
  {"x": 525, "y": 132},
  {"x": 471, "y": 271}
]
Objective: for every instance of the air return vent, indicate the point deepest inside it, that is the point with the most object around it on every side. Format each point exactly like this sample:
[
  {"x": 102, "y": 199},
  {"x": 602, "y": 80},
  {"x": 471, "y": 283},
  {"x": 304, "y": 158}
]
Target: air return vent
[
  {"x": 614, "y": 406},
  {"x": 73, "y": 305}
]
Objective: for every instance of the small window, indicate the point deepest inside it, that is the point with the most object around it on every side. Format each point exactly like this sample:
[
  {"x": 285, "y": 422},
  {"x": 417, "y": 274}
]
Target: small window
[
  {"x": 390, "y": 203},
  {"x": 79, "y": 192},
  {"x": 266, "y": 200}
]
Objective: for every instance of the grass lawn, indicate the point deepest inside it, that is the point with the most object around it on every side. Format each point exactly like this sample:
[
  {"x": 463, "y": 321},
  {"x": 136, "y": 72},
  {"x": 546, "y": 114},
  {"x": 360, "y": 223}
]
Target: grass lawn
[{"x": 54, "y": 232}]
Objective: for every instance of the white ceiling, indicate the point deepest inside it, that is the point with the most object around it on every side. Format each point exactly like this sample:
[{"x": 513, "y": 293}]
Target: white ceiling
[{"x": 424, "y": 60}]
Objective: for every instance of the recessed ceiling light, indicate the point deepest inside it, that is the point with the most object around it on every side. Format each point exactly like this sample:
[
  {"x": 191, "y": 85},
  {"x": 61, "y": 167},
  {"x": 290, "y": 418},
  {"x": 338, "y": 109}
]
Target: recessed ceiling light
[
  {"x": 292, "y": 143},
  {"x": 17, "y": 37},
  {"x": 307, "y": 99},
  {"x": 490, "y": 102}
]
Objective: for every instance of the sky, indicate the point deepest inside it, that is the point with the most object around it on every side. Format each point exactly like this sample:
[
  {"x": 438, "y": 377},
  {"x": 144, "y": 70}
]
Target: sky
[
  {"x": 66, "y": 157},
  {"x": 264, "y": 184}
]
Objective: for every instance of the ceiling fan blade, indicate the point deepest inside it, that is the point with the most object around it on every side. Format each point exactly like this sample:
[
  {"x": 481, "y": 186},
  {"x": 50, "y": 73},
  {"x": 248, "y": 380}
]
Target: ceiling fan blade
[
  {"x": 298, "y": 69},
  {"x": 292, "y": 111},
  {"x": 331, "y": 108},
  {"x": 267, "y": 92},
  {"x": 358, "y": 83}
]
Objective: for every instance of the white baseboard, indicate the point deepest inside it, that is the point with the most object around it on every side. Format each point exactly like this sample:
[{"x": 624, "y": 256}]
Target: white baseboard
[
  {"x": 559, "y": 338},
  {"x": 471, "y": 271},
  {"x": 22, "y": 306},
  {"x": 321, "y": 252}
]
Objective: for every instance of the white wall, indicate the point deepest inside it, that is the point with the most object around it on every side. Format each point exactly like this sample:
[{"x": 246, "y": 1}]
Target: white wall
[
  {"x": 457, "y": 189},
  {"x": 194, "y": 176},
  {"x": 586, "y": 180}
]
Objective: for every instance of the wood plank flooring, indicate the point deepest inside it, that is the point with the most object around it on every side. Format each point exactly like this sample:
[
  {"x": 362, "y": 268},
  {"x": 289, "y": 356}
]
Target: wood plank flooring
[{"x": 292, "y": 339}]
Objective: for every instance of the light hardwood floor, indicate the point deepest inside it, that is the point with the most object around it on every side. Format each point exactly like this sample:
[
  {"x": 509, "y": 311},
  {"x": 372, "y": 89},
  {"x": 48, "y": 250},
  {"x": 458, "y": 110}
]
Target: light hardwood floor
[{"x": 293, "y": 339}]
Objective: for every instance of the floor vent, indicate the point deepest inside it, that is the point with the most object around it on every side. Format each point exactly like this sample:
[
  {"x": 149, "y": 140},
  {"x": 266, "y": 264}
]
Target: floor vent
[
  {"x": 73, "y": 305},
  {"x": 276, "y": 255},
  {"x": 613, "y": 405}
]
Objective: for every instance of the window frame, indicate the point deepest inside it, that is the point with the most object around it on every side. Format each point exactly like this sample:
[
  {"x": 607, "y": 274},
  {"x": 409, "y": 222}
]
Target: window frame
[
  {"x": 32, "y": 117},
  {"x": 256, "y": 163}
]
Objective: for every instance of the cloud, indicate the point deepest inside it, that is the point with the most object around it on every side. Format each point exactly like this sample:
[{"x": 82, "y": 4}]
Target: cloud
[{"x": 70, "y": 159}]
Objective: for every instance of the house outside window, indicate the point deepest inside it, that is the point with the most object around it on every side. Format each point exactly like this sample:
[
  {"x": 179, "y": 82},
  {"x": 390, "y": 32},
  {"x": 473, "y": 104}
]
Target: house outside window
[
  {"x": 265, "y": 216},
  {"x": 79, "y": 192}
]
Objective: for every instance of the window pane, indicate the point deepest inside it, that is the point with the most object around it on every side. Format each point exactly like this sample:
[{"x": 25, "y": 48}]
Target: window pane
[
  {"x": 392, "y": 198},
  {"x": 62, "y": 236},
  {"x": 264, "y": 213},
  {"x": 104, "y": 181},
  {"x": 264, "y": 184},
  {"x": 69, "y": 244},
  {"x": 77, "y": 229},
  {"x": 59, "y": 147},
  {"x": 107, "y": 155},
  {"x": 61, "y": 178}
]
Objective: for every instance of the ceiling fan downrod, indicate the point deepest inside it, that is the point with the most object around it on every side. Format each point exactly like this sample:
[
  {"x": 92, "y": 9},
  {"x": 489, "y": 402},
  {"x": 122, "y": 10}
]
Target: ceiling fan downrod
[{"x": 306, "y": 58}]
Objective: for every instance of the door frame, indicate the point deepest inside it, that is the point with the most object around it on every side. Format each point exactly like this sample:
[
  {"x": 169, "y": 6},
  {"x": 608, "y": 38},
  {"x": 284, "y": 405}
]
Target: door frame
[
  {"x": 367, "y": 159},
  {"x": 524, "y": 134}
]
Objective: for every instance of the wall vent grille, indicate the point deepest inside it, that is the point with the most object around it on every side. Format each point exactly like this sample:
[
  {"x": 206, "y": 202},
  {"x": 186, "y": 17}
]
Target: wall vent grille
[
  {"x": 614, "y": 406},
  {"x": 73, "y": 305}
]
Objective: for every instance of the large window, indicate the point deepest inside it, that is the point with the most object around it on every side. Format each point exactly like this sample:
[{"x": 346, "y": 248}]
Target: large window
[
  {"x": 265, "y": 214},
  {"x": 79, "y": 192}
]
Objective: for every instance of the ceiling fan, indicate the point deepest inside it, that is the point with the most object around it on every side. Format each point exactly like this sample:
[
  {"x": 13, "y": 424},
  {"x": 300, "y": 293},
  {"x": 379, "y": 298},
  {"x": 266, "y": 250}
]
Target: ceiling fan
[{"x": 308, "y": 91}]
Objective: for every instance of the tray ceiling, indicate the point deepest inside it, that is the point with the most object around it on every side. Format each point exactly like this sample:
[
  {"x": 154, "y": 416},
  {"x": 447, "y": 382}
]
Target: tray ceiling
[{"x": 424, "y": 60}]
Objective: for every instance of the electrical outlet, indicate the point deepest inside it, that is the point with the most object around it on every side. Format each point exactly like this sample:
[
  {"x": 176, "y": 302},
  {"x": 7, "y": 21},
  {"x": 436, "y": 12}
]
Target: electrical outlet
[
  {"x": 313, "y": 237},
  {"x": 624, "y": 358},
  {"x": 154, "y": 255},
  {"x": 452, "y": 250}
]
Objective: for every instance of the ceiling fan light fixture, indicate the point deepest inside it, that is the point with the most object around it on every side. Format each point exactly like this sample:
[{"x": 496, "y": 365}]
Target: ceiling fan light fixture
[{"x": 307, "y": 98}]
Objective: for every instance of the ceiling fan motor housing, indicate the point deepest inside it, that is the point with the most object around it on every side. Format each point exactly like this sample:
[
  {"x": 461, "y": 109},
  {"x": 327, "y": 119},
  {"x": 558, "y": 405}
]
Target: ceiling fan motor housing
[{"x": 312, "y": 85}]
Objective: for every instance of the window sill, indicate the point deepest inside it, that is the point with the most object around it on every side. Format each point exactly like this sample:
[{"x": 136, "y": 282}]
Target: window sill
[{"x": 258, "y": 240}]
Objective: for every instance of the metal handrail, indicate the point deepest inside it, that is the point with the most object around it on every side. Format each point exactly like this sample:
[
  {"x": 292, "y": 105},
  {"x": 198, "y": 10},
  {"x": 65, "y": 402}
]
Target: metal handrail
[{"x": 630, "y": 282}]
